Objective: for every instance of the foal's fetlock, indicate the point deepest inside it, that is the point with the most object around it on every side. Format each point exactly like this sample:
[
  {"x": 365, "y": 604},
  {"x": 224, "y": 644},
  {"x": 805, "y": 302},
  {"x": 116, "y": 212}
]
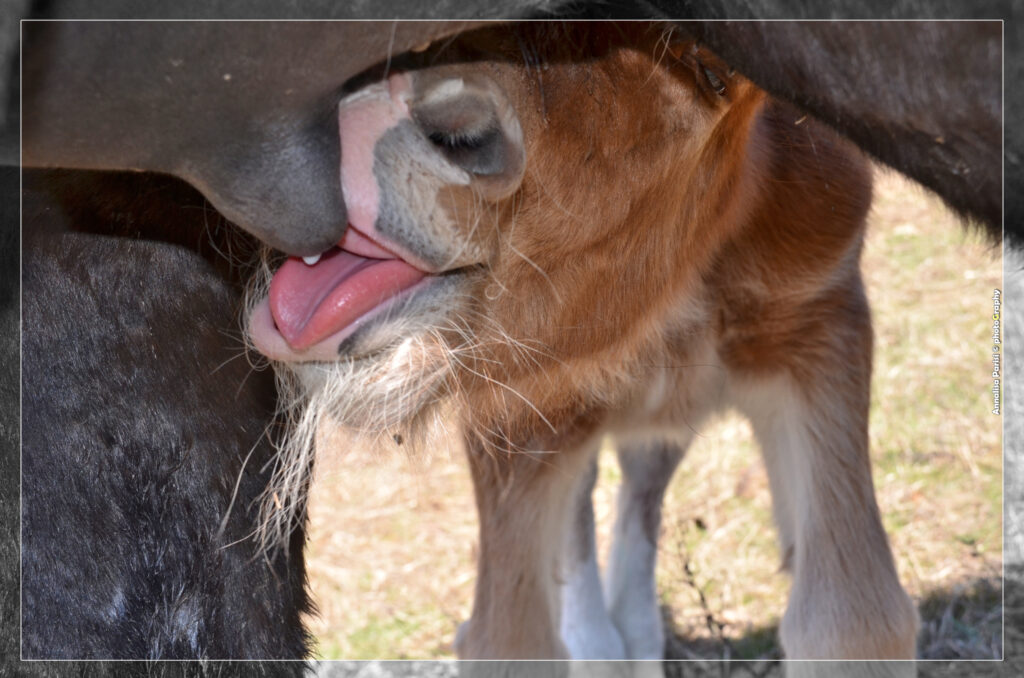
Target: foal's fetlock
[{"x": 842, "y": 632}]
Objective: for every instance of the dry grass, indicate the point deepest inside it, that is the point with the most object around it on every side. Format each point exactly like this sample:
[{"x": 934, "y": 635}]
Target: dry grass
[{"x": 392, "y": 540}]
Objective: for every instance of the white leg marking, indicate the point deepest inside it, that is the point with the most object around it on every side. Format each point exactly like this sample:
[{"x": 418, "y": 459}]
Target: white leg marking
[
  {"x": 846, "y": 601},
  {"x": 587, "y": 630},
  {"x": 630, "y": 585}
]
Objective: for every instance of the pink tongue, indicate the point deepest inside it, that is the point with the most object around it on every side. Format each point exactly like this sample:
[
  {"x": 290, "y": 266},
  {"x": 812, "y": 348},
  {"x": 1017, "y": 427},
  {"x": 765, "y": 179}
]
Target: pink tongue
[{"x": 310, "y": 303}]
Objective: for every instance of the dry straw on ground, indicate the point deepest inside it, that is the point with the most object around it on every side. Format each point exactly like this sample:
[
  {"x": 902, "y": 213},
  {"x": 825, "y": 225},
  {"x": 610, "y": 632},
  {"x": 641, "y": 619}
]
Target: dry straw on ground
[{"x": 391, "y": 552}]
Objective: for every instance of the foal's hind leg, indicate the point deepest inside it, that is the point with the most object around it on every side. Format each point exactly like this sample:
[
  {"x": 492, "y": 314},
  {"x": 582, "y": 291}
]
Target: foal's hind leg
[
  {"x": 587, "y": 630},
  {"x": 632, "y": 595},
  {"x": 811, "y": 421}
]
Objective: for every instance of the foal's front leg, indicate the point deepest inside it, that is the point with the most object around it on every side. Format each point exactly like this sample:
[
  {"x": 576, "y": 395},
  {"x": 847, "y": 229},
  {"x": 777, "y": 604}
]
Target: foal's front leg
[
  {"x": 523, "y": 501},
  {"x": 846, "y": 601}
]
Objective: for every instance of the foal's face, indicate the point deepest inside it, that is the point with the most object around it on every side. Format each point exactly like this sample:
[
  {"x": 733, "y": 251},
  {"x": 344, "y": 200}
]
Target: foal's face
[{"x": 540, "y": 204}]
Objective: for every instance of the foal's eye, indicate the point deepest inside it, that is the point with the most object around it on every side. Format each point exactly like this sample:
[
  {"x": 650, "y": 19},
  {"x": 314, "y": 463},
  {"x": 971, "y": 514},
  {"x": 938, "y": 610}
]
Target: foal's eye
[
  {"x": 480, "y": 150},
  {"x": 461, "y": 140}
]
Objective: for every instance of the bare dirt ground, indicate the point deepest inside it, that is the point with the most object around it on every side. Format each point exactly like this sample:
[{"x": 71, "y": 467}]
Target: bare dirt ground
[{"x": 392, "y": 539}]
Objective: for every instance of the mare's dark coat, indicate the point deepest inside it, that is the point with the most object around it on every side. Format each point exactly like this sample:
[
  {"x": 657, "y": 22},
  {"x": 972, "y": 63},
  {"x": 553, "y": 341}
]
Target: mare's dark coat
[{"x": 139, "y": 417}]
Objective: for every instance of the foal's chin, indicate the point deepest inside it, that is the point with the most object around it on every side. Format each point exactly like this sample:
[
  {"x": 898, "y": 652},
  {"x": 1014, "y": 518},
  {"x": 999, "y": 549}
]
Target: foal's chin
[{"x": 390, "y": 372}]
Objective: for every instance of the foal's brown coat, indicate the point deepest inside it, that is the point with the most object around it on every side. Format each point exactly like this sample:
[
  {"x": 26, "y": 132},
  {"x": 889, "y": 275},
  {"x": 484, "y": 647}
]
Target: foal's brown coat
[
  {"x": 661, "y": 218},
  {"x": 670, "y": 216}
]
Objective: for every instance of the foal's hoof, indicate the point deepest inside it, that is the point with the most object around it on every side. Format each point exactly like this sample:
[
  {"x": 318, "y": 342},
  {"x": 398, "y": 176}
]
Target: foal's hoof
[
  {"x": 460, "y": 638},
  {"x": 596, "y": 638}
]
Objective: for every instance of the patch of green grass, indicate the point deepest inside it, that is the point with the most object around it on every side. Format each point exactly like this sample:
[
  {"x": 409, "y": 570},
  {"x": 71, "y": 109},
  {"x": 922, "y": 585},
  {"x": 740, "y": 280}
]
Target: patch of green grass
[
  {"x": 402, "y": 634},
  {"x": 379, "y": 637},
  {"x": 757, "y": 643}
]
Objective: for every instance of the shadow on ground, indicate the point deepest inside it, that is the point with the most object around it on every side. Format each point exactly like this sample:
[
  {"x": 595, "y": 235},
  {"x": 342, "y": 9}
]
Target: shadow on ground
[
  {"x": 964, "y": 621},
  {"x": 961, "y": 615}
]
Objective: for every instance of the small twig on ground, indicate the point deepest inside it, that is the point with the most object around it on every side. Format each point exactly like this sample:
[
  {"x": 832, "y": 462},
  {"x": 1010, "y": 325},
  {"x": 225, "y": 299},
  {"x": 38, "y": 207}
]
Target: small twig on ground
[{"x": 716, "y": 627}]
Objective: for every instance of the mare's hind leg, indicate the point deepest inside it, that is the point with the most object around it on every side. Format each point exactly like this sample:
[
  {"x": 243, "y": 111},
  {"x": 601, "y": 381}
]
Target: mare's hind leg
[
  {"x": 846, "y": 601},
  {"x": 586, "y": 628},
  {"x": 629, "y": 582}
]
